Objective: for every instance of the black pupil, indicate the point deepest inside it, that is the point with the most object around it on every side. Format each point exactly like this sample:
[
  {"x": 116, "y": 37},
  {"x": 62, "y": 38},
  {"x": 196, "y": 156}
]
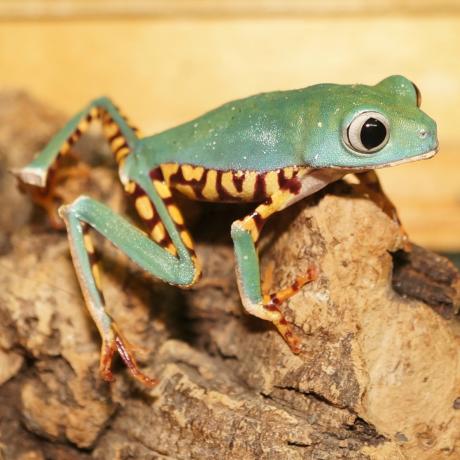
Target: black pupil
[{"x": 373, "y": 133}]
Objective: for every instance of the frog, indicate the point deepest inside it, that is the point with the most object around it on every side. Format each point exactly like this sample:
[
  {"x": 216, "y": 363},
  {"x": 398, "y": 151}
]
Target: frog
[{"x": 271, "y": 149}]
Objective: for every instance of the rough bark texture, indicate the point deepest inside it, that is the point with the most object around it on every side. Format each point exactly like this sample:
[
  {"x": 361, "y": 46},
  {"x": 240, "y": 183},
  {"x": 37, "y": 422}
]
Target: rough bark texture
[{"x": 378, "y": 377}]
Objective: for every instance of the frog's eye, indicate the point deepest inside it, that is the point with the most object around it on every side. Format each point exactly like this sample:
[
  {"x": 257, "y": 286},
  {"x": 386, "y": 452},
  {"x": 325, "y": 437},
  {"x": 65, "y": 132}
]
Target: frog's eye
[
  {"x": 418, "y": 94},
  {"x": 367, "y": 133}
]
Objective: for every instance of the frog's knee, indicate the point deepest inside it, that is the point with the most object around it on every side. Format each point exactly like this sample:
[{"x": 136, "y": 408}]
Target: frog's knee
[
  {"x": 238, "y": 230},
  {"x": 101, "y": 101},
  {"x": 189, "y": 272},
  {"x": 79, "y": 203},
  {"x": 260, "y": 310}
]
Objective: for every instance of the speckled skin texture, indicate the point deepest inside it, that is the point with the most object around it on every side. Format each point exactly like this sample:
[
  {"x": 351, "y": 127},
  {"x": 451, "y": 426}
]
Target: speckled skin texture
[{"x": 298, "y": 127}]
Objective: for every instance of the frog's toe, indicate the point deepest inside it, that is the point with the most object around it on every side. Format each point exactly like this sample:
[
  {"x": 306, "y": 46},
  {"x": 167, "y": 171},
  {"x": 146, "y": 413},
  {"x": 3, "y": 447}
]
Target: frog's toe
[{"x": 117, "y": 343}]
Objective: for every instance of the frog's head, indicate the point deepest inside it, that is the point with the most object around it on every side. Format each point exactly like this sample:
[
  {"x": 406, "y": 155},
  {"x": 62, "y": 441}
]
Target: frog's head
[{"x": 367, "y": 127}]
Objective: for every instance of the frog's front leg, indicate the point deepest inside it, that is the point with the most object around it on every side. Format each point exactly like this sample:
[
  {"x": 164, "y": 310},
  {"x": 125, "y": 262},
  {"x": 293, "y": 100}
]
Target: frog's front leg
[
  {"x": 370, "y": 183},
  {"x": 180, "y": 268},
  {"x": 245, "y": 234}
]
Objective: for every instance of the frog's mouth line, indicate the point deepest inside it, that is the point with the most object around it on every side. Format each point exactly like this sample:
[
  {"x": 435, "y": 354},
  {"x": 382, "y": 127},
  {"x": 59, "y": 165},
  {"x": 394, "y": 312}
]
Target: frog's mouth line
[{"x": 422, "y": 156}]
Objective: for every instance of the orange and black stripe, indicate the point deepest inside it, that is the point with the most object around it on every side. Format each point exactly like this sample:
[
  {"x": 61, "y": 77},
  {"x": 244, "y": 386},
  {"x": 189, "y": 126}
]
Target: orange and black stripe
[
  {"x": 149, "y": 215},
  {"x": 117, "y": 142},
  {"x": 164, "y": 191},
  {"x": 199, "y": 183}
]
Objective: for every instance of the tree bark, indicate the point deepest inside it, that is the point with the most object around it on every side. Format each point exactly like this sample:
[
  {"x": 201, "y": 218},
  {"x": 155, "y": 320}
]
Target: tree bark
[{"x": 378, "y": 376}]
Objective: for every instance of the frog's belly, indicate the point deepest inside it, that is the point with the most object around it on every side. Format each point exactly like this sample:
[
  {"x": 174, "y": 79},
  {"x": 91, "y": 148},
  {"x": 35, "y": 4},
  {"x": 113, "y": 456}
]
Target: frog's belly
[{"x": 199, "y": 183}]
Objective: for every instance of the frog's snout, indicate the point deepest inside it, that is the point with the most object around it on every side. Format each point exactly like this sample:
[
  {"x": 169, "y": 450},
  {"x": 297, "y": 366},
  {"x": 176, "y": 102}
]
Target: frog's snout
[
  {"x": 423, "y": 133},
  {"x": 427, "y": 133},
  {"x": 430, "y": 138}
]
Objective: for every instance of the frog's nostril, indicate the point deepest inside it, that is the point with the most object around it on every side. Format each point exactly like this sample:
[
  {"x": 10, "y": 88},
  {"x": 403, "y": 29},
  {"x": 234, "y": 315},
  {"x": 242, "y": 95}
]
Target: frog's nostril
[{"x": 423, "y": 133}]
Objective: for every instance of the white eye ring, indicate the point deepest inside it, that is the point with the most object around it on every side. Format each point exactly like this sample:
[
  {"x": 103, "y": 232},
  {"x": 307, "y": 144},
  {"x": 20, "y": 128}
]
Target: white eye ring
[{"x": 368, "y": 132}]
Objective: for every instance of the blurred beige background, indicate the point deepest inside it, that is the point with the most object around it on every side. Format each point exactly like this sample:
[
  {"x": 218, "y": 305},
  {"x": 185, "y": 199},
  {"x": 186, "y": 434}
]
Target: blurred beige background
[{"x": 166, "y": 61}]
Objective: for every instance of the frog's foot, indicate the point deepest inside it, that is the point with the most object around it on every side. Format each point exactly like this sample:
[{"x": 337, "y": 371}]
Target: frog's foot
[
  {"x": 44, "y": 187},
  {"x": 117, "y": 343},
  {"x": 271, "y": 304}
]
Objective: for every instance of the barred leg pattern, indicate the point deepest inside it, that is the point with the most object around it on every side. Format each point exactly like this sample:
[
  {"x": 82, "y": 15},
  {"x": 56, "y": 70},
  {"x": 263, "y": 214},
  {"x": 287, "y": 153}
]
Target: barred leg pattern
[{"x": 245, "y": 234}]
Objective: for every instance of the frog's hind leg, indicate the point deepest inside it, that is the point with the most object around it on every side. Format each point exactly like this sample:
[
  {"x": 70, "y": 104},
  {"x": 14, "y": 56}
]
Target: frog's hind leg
[
  {"x": 171, "y": 259},
  {"x": 41, "y": 176},
  {"x": 170, "y": 256},
  {"x": 245, "y": 234},
  {"x": 180, "y": 268}
]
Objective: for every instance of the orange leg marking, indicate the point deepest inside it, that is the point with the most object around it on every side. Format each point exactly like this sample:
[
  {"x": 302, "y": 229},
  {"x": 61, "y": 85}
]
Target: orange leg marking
[
  {"x": 126, "y": 351},
  {"x": 272, "y": 302}
]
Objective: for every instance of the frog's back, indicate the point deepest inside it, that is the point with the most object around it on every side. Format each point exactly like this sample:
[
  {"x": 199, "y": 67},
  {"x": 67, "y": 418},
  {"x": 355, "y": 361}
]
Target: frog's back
[{"x": 258, "y": 133}]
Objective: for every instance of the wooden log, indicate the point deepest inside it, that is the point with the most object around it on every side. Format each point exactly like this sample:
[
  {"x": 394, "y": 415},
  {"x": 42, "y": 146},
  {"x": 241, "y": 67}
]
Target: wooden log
[{"x": 377, "y": 378}]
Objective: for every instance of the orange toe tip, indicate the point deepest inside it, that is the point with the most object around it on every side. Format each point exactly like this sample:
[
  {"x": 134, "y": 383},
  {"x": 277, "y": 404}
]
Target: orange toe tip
[
  {"x": 149, "y": 382},
  {"x": 143, "y": 378},
  {"x": 107, "y": 375},
  {"x": 295, "y": 345}
]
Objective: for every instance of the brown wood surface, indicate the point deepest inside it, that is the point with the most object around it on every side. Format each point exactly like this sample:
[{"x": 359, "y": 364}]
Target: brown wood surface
[
  {"x": 429, "y": 277},
  {"x": 377, "y": 377}
]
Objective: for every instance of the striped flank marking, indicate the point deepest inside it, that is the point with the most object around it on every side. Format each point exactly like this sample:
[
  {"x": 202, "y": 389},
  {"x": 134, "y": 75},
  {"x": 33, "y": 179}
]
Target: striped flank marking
[
  {"x": 196, "y": 182},
  {"x": 149, "y": 215},
  {"x": 159, "y": 233},
  {"x": 186, "y": 238},
  {"x": 209, "y": 190},
  {"x": 192, "y": 173},
  {"x": 144, "y": 207},
  {"x": 162, "y": 189},
  {"x": 158, "y": 178},
  {"x": 167, "y": 170},
  {"x": 175, "y": 214}
]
